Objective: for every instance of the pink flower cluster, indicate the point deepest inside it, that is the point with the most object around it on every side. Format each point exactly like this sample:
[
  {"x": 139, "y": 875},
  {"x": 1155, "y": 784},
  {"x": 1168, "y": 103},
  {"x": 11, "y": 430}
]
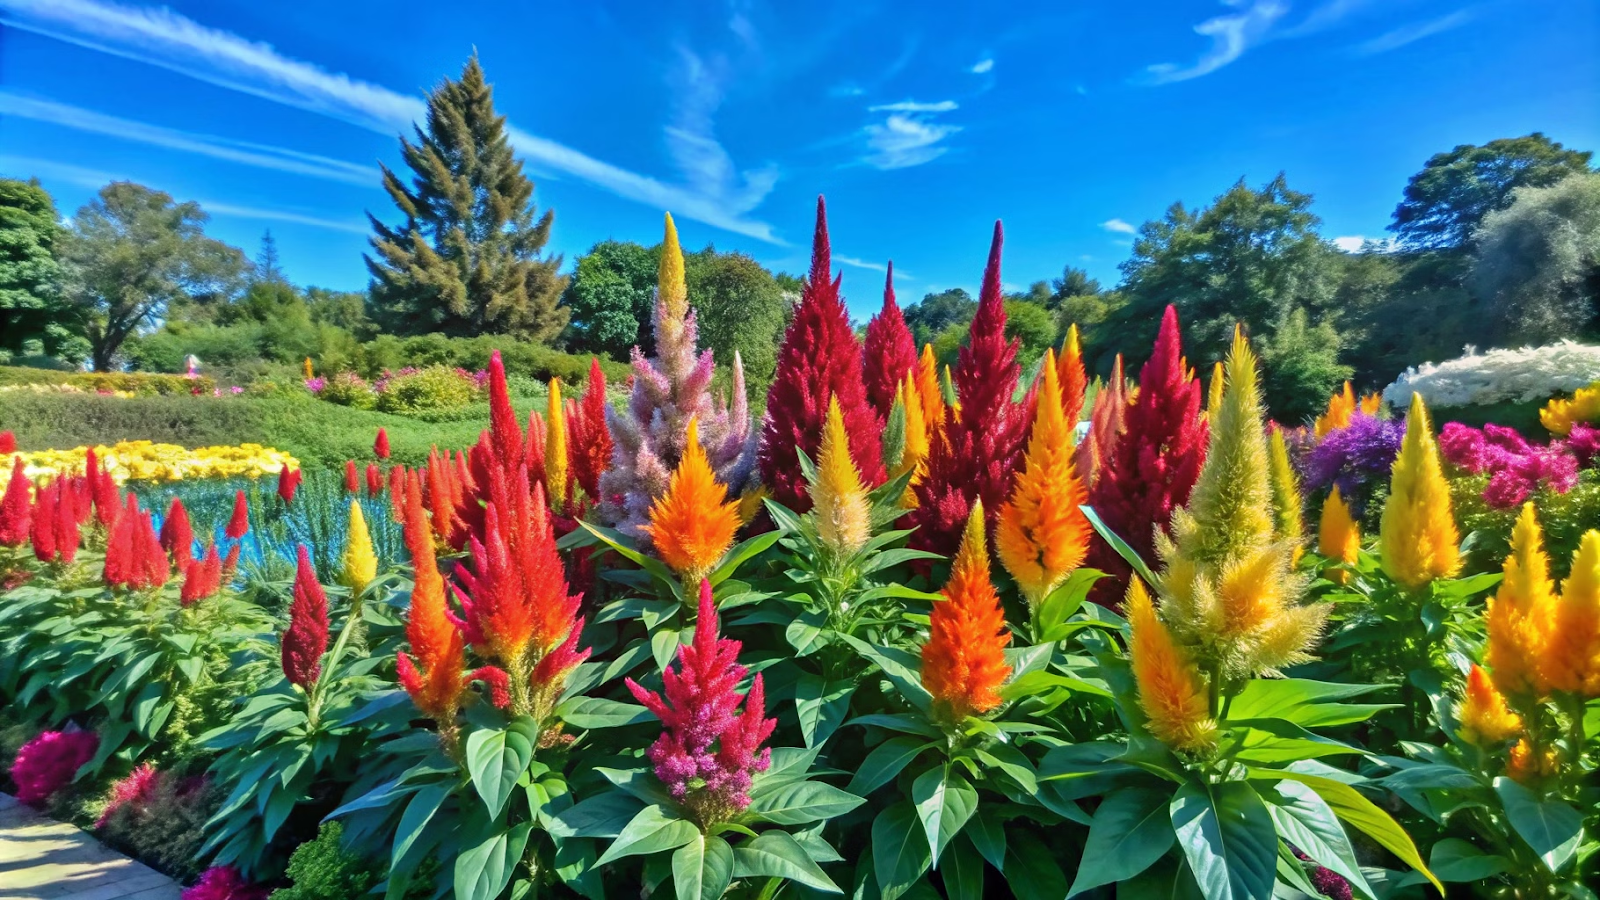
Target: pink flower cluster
[
  {"x": 140, "y": 785},
  {"x": 1517, "y": 468},
  {"x": 223, "y": 883},
  {"x": 701, "y": 710},
  {"x": 48, "y": 763}
]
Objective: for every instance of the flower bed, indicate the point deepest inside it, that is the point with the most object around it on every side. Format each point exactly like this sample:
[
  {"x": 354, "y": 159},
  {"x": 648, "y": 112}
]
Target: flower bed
[
  {"x": 148, "y": 461},
  {"x": 672, "y": 649}
]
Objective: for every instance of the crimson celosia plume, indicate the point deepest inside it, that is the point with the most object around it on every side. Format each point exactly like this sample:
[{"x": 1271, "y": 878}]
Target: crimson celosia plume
[
  {"x": 820, "y": 359},
  {"x": 374, "y": 480},
  {"x": 177, "y": 537},
  {"x": 589, "y": 436},
  {"x": 699, "y": 707},
  {"x": 201, "y": 577},
  {"x": 380, "y": 446},
  {"x": 239, "y": 522},
  {"x": 352, "y": 478},
  {"x": 889, "y": 352},
  {"x": 8, "y": 443},
  {"x": 107, "y": 497},
  {"x": 42, "y": 526},
  {"x": 1152, "y": 466},
  {"x": 16, "y": 509},
  {"x": 288, "y": 483},
  {"x": 306, "y": 638},
  {"x": 982, "y": 437}
]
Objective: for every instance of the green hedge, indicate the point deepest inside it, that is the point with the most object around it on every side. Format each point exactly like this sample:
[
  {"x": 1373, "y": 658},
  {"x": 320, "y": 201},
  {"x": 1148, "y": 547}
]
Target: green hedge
[
  {"x": 472, "y": 354},
  {"x": 143, "y": 383},
  {"x": 316, "y": 433}
]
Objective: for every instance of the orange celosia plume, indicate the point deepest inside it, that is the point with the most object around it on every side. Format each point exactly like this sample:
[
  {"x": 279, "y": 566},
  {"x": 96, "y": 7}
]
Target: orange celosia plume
[
  {"x": 1341, "y": 407},
  {"x": 1485, "y": 719},
  {"x": 927, "y": 377},
  {"x": 1521, "y": 612},
  {"x": 693, "y": 523},
  {"x": 434, "y": 679},
  {"x": 1041, "y": 534},
  {"x": 1171, "y": 691},
  {"x": 963, "y": 662},
  {"x": 1074, "y": 380}
]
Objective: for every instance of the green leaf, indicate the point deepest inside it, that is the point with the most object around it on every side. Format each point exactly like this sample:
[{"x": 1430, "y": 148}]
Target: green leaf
[
  {"x": 987, "y": 833},
  {"x": 898, "y": 668},
  {"x": 885, "y": 762},
  {"x": 664, "y": 645},
  {"x": 1008, "y": 759},
  {"x": 822, "y": 706},
  {"x": 1031, "y": 868},
  {"x": 415, "y": 819},
  {"x": 598, "y": 712},
  {"x": 1311, "y": 704},
  {"x": 484, "y": 869},
  {"x": 1354, "y": 809},
  {"x": 1305, "y": 820},
  {"x": 601, "y": 816},
  {"x": 1226, "y": 834},
  {"x": 1065, "y": 600},
  {"x": 776, "y": 854},
  {"x": 1551, "y": 827},
  {"x": 963, "y": 872},
  {"x": 702, "y": 869},
  {"x": 1128, "y": 554},
  {"x": 496, "y": 758},
  {"x": 1453, "y": 859},
  {"x": 744, "y": 550},
  {"x": 899, "y": 852},
  {"x": 803, "y": 802},
  {"x": 1132, "y": 829},
  {"x": 805, "y": 632},
  {"x": 653, "y": 829},
  {"x": 945, "y": 801}
]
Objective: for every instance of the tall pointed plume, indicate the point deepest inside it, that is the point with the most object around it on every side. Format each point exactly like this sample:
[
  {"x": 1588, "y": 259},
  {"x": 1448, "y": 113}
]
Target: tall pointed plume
[
  {"x": 889, "y": 352},
  {"x": 963, "y": 662},
  {"x": 590, "y": 436},
  {"x": 820, "y": 358},
  {"x": 1417, "y": 533}
]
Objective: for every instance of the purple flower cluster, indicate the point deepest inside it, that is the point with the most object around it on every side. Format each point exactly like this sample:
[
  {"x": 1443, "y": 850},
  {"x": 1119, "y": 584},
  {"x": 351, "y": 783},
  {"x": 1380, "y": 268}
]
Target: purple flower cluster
[
  {"x": 315, "y": 385},
  {"x": 1354, "y": 457},
  {"x": 701, "y": 710},
  {"x": 1517, "y": 468},
  {"x": 49, "y": 762},
  {"x": 1328, "y": 883}
]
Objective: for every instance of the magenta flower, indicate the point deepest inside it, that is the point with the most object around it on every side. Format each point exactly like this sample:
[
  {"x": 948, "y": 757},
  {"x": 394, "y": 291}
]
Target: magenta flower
[
  {"x": 49, "y": 762},
  {"x": 701, "y": 709},
  {"x": 1584, "y": 442},
  {"x": 1517, "y": 468},
  {"x": 137, "y": 788},
  {"x": 223, "y": 883}
]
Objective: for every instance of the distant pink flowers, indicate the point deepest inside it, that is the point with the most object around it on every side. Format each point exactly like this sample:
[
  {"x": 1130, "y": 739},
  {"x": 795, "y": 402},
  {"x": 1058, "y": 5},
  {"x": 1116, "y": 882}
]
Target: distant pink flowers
[
  {"x": 48, "y": 763},
  {"x": 1517, "y": 468},
  {"x": 701, "y": 709},
  {"x": 223, "y": 883}
]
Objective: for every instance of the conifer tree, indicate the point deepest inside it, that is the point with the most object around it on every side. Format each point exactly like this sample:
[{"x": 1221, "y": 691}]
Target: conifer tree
[{"x": 467, "y": 258}]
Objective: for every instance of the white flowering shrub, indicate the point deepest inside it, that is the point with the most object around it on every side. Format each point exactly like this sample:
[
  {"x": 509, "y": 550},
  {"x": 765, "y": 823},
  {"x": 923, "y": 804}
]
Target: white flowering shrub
[{"x": 1527, "y": 375}]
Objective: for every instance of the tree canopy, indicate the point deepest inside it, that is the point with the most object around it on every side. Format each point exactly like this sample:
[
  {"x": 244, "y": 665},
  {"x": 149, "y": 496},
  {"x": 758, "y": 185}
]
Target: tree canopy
[
  {"x": 31, "y": 307},
  {"x": 1537, "y": 261}
]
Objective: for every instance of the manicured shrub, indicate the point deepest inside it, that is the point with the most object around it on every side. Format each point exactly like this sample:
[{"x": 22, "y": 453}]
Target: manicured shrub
[{"x": 434, "y": 392}]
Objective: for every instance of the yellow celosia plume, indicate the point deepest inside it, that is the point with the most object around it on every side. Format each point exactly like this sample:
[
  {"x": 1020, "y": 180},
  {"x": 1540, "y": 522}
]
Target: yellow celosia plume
[
  {"x": 555, "y": 449},
  {"x": 1341, "y": 407},
  {"x": 1572, "y": 657},
  {"x": 1485, "y": 720},
  {"x": 1526, "y": 764},
  {"x": 1172, "y": 692},
  {"x": 1338, "y": 535},
  {"x": 914, "y": 454},
  {"x": 1287, "y": 508},
  {"x": 1228, "y": 587},
  {"x": 1417, "y": 534},
  {"x": 1521, "y": 612},
  {"x": 693, "y": 523},
  {"x": 670, "y": 282},
  {"x": 360, "y": 562},
  {"x": 839, "y": 500},
  {"x": 1559, "y": 415},
  {"x": 1214, "y": 391},
  {"x": 1042, "y": 535}
]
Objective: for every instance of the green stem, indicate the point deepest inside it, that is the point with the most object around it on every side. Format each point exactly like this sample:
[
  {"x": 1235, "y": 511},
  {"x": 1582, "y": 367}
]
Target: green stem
[{"x": 319, "y": 688}]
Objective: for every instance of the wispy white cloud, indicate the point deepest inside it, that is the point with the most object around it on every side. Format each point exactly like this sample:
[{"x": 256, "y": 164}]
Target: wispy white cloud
[
  {"x": 982, "y": 66},
  {"x": 1416, "y": 31},
  {"x": 160, "y": 37},
  {"x": 1325, "y": 16},
  {"x": 1119, "y": 227},
  {"x": 692, "y": 140},
  {"x": 899, "y": 274},
  {"x": 1230, "y": 35},
  {"x": 261, "y": 156},
  {"x": 278, "y": 215},
  {"x": 51, "y": 170},
  {"x": 905, "y": 139},
  {"x": 912, "y": 106}
]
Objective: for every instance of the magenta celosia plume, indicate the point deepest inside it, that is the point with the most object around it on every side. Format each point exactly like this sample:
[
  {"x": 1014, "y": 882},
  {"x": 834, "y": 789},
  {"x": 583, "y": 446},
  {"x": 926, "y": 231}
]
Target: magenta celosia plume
[
  {"x": 889, "y": 351},
  {"x": 979, "y": 449},
  {"x": 49, "y": 762},
  {"x": 135, "y": 789},
  {"x": 306, "y": 638},
  {"x": 223, "y": 883},
  {"x": 16, "y": 509},
  {"x": 709, "y": 750},
  {"x": 819, "y": 361},
  {"x": 1152, "y": 465}
]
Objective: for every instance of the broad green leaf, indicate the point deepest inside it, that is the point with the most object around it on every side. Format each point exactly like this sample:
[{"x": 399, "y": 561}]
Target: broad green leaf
[
  {"x": 601, "y": 816},
  {"x": 1132, "y": 829},
  {"x": 963, "y": 872},
  {"x": 484, "y": 869},
  {"x": 598, "y": 712},
  {"x": 1354, "y": 809},
  {"x": 899, "y": 668},
  {"x": 744, "y": 550},
  {"x": 1551, "y": 827},
  {"x": 1305, "y": 820},
  {"x": 987, "y": 833},
  {"x": 653, "y": 829},
  {"x": 1008, "y": 759},
  {"x": 415, "y": 819},
  {"x": 1311, "y": 704},
  {"x": 776, "y": 854},
  {"x": 702, "y": 869},
  {"x": 822, "y": 706},
  {"x": 496, "y": 758},
  {"x": 1226, "y": 834},
  {"x": 805, "y": 632},
  {"x": 804, "y": 802},
  {"x": 1031, "y": 868},
  {"x": 885, "y": 762},
  {"x": 945, "y": 801},
  {"x": 1061, "y": 603},
  {"x": 899, "y": 850},
  {"x": 1453, "y": 859},
  {"x": 1128, "y": 554}
]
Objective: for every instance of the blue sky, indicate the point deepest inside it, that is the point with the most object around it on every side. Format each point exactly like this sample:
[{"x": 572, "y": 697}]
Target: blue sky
[{"x": 921, "y": 122}]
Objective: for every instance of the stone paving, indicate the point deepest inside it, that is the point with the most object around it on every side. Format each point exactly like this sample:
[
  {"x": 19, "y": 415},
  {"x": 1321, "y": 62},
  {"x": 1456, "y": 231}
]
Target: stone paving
[{"x": 41, "y": 859}]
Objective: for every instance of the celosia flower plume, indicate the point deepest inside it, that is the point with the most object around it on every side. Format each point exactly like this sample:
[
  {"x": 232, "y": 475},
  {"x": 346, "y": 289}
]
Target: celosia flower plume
[
  {"x": 177, "y": 536},
  {"x": 201, "y": 578},
  {"x": 1073, "y": 379},
  {"x": 929, "y": 393},
  {"x": 1559, "y": 415},
  {"x": 1417, "y": 535},
  {"x": 1287, "y": 508},
  {"x": 1172, "y": 692},
  {"x": 590, "y": 447},
  {"x": 915, "y": 441},
  {"x": 1042, "y": 535},
  {"x": 1572, "y": 656},
  {"x": 820, "y": 359},
  {"x": 888, "y": 353},
  {"x": 964, "y": 662},
  {"x": 306, "y": 638},
  {"x": 239, "y": 522},
  {"x": 223, "y": 883},
  {"x": 693, "y": 523},
  {"x": 1519, "y": 616},
  {"x": 374, "y": 480},
  {"x": 709, "y": 750},
  {"x": 134, "y": 789},
  {"x": 380, "y": 446},
  {"x": 1341, "y": 407},
  {"x": 1485, "y": 720},
  {"x": 1338, "y": 535},
  {"x": 352, "y": 477},
  {"x": 288, "y": 482},
  {"x": 360, "y": 564},
  {"x": 431, "y": 673},
  {"x": 49, "y": 762},
  {"x": 8, "y": 443},
  {"x": 555, "y": 449},
  {"x": 1106, "y": 419},
  {"x": 16, "y": 509},
  {"x": 839, "y": 500}
]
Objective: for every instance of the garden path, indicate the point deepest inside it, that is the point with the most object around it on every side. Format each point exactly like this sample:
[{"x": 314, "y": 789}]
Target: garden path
[{"x": 41, "y": 859}]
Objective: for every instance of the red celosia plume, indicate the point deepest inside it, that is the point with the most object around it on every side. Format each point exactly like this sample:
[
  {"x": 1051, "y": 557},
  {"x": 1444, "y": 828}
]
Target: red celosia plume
[
  {"x": 380, "y": 447},
  {"x": 589, "y": 438},
  {"x": 306, "y": 638},
  {"x": 374, "y": 480},
  {"x": 352, "y": 478},
  {"x": 432, "y": 672},
  {"x": 16, "y": 509},
  {"x": 889, "y": 351},
  {"x": 201, "y": 577},
  {"x": 239, "y": 522},
  {"x": 288, "y": 483},
  {"x": 8, "y": 443},
  {"x": 177, "y": 537},
  {"x": 820, "y": 359}
]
